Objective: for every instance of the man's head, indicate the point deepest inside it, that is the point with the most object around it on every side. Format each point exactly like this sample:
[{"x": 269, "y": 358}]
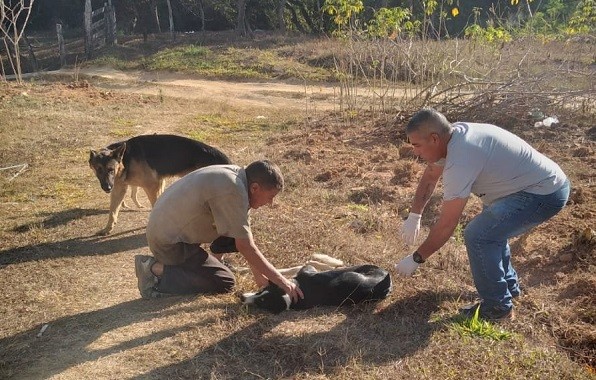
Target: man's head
[
  {"x": 265, "y": 181},
  {"x": 429, "y": 132}
]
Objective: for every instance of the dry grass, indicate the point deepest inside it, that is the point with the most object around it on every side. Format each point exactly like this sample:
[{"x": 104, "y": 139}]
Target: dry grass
[{"x": 348, "y": 186}]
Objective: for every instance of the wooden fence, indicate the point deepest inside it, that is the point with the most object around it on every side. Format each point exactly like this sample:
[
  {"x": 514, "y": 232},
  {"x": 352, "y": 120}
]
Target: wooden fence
[
  {"x": 100, "y": 27},
  {"x": 100, "y": 30}
]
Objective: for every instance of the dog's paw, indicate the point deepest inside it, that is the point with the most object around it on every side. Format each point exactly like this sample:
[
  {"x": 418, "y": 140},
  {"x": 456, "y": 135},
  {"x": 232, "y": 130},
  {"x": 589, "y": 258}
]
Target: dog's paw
[{"x": 104, "y": 232}]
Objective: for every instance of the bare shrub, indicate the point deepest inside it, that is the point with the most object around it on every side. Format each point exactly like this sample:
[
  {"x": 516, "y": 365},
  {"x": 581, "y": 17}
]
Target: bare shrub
[
  {"x": 12, "y": 29},
  {"x": 463, "y": 78}
]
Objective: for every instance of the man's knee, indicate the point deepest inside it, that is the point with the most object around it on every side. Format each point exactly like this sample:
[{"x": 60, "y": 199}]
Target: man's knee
[
  {"x": 224, "y": 282},
  {"x": 471, "y": 234}
]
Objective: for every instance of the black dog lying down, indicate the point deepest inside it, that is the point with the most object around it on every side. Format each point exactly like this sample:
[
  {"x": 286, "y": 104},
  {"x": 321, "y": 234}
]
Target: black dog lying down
[{"x": 338, "y": 287}]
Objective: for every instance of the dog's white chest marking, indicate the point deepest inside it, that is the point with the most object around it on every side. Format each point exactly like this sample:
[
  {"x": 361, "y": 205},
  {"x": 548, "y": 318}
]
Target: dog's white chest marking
[{"x": 288, "y": 301}]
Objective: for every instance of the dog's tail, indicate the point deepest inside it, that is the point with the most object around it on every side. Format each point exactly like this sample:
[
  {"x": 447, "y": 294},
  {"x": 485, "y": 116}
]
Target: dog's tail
[{"x": 325, "y": 259}]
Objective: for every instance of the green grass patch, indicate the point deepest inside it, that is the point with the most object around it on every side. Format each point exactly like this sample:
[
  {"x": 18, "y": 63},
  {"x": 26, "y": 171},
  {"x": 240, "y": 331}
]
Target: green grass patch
[
  {"x": 121, "y": 132},
  {"x": 214, "y": 127},
  {"x": 358, "y": 207},
  {"x": 458, "y": 234},
  {"x": 116, "y": 62},
  {"x": 229, "y": 63},
  {"x": 477, "y": 327}
]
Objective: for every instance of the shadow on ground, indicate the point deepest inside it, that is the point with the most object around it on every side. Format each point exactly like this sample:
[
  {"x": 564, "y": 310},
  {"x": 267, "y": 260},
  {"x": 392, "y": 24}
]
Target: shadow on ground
[
  {"x": 56, "y": 219},
  {"x": 390, "y": 335},
  {"x": 79, "y": 246},
  {"x": 396, "y": 332},
  {"x": 66, "y": 341}
]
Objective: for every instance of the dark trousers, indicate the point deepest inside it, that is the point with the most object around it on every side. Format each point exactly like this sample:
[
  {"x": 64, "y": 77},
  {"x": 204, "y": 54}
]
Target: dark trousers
[{"x": 193, "y": 271}]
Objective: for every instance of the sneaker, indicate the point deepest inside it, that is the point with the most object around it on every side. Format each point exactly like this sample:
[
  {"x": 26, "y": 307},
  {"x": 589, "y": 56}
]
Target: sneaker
[
  {"x": 488, "y": 313},
  {"x": 223, "y": 244},
  {"x": 146, "y": 278}
]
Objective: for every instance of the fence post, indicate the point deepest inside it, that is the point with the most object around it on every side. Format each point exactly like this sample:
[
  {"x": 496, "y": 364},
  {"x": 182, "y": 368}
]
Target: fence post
[
  {"x": 61, "y": 45},
  {"x": 88, "y": 31},
  {"x": 112, "y": 17},
  {"x": 107, "y": 8}
]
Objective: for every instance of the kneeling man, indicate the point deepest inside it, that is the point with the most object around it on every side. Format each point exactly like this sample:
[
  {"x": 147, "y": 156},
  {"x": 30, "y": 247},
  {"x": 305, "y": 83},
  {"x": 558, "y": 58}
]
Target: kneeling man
[{"x": 209, "y": 205}]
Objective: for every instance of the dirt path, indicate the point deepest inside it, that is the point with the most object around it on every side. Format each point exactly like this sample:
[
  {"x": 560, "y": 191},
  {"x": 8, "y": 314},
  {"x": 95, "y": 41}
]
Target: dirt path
[{"x": 254, "y": 94}]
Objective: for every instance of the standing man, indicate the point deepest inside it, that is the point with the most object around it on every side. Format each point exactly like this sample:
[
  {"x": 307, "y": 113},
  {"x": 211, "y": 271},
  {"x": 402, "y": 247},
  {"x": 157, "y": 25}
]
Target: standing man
[
  {"x": 519, "y": 187},
  {"x": 209, "y": 205}
]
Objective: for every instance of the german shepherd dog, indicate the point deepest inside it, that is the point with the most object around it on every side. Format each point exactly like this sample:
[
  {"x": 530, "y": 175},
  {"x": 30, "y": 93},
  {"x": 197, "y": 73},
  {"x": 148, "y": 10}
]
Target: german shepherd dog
[{"x": 146, "y": 161}]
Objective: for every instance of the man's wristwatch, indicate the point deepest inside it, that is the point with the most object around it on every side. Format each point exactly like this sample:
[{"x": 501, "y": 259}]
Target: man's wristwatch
[{"x": 417, "y": 258}]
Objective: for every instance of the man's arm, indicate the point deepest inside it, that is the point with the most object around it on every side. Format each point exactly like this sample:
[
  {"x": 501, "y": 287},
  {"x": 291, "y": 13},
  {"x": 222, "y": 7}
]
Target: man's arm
[
  {"x": 426, "y": 187},
  {"x": 411, "y": 227},
  {"x": 263, "y": 267},
  {"x": 444, "y": 227}
]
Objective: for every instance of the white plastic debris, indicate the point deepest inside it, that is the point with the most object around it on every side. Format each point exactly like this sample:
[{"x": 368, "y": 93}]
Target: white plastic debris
[{"x": 547, "y": 122}]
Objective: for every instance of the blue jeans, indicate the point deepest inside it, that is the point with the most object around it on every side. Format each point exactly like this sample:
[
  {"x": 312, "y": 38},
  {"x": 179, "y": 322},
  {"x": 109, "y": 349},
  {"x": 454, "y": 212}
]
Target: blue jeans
[{"x": 486, "y": 238}]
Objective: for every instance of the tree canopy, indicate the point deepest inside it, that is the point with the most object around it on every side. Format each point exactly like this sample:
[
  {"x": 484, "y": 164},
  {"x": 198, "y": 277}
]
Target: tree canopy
[{"x": 432, "y": 18}]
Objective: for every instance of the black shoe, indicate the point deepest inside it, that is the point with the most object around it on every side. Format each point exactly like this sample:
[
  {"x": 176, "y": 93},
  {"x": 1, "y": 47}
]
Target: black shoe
[
  {"x": 223, "y": 244},
  {"x": 488, "y": 313},
  {"x": 146, "y": 278},
  {"x": 516, "y": 293}
]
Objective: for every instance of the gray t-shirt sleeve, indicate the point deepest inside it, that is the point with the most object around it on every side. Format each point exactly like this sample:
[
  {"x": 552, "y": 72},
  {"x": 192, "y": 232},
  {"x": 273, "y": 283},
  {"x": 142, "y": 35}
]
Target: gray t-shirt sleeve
[{"x": 458, "y": 179}]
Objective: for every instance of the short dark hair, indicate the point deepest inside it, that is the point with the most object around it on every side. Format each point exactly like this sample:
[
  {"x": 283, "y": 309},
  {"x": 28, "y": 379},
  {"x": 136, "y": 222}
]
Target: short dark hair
[
  {"x": 266, "y": 174},
  {"x": 428, "y": 120}
]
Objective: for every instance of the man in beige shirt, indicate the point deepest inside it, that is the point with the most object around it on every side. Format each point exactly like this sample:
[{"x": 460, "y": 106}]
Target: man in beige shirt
[{"x": 209, "y": 205}]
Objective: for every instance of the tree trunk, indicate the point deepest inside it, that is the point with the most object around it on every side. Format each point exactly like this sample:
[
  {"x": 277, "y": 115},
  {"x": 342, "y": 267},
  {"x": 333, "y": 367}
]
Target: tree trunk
[
  {"x": 528, "y": 8},
  {"x": 88, "y": 32},
  {"x": 110, "y": 16},
  {"x": 157, "y": 18},
  {"x": 202, "y": 14},
  {"x": 241, "y": 21},
  {"x": 171, "y": 18},
  {"x": 321, "y": 18},
  {"x": 281, "y": 23},
  {"x": 305, "y": 15},
  {"x": 295, "y": 20}
]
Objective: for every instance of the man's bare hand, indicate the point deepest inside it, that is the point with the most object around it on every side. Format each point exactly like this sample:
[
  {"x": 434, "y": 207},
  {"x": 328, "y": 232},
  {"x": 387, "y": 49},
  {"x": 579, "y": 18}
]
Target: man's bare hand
[{"x": 292, "y": 289}]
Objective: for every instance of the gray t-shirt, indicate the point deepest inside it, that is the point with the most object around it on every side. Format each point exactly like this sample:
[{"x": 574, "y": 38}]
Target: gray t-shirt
[
  {"x": 492, "y": 163},
  {"x": 199, "y": 207}
]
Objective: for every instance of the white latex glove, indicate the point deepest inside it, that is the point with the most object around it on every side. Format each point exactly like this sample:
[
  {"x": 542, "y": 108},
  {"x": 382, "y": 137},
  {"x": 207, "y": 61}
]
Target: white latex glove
[
  {"x": 411, "y": 228},
  {"x": 407, "y": 266}
]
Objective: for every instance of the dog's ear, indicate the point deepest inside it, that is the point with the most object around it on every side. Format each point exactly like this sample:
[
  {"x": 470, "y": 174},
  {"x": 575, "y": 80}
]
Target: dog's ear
[
  {"x": 118, "y": 153},
  {"x": 92, "y": 155}
]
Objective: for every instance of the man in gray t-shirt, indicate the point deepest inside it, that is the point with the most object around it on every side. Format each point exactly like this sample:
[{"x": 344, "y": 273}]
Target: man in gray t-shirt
[
  {"x": 209, "y": 205},
  {"x": 519, "y": 186}
]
